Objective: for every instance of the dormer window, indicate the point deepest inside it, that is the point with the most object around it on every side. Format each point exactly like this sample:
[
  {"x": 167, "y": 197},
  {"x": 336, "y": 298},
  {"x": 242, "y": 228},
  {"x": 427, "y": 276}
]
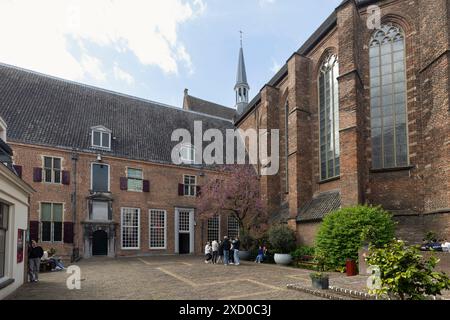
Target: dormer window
[
  {"x": 101, "y": 138},
  {"x": 187, "y": 154}
]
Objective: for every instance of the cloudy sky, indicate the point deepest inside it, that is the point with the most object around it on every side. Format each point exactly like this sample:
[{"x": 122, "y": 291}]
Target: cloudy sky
[{"x": 155, "y": 48}]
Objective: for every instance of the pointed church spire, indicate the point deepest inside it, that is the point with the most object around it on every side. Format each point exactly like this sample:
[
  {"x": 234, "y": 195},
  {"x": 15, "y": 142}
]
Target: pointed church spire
[{"x": 241, "y": 86}]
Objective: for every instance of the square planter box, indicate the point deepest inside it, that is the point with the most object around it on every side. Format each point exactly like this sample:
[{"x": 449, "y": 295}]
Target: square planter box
[{"x": 320, "y": 283}]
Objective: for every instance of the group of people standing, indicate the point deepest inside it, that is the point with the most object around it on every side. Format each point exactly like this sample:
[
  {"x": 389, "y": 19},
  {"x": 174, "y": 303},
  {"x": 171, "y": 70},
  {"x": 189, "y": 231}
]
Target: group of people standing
[{"x": 226, "y": 251}]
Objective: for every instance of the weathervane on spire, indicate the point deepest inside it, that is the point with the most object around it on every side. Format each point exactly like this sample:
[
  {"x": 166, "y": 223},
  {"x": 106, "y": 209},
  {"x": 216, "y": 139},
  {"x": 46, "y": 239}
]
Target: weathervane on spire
[{"x": 241, "y": 32}]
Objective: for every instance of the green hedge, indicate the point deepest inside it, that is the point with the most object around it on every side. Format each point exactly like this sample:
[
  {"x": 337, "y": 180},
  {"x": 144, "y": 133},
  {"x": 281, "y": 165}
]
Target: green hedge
[{"x": 343, "y": 233}]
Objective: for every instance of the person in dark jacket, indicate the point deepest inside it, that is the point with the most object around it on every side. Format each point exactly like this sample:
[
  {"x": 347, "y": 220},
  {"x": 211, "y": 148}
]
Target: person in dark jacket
[
  {"x": 35, "y": 254},
  {"x": 226, "y": 250},
  {"x": 220, "y": 258}
]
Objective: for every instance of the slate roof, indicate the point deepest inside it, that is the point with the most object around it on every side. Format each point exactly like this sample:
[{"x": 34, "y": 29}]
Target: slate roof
[
  {"x": 48, "y": 111},
  {"x": 307, "y": 46},
  {"x": 319, "y": 207},
  {"x": 210, "y": 108}
]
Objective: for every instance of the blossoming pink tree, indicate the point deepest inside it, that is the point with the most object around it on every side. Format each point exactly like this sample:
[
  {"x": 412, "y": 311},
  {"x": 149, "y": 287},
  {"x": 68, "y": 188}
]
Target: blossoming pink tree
[{"x": 238, "y": 195}]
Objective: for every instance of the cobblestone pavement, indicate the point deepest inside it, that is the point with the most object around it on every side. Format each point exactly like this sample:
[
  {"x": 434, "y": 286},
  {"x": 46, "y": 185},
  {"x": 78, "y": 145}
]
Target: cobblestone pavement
[{"x": 169, "y": 278}]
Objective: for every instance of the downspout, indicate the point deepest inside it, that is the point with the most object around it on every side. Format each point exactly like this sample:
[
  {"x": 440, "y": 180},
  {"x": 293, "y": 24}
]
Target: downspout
[{"x": 76, "y": 252}]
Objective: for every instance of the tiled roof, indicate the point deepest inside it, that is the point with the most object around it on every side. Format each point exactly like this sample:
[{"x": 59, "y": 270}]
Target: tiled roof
[
  {"x": 319, "y": 207},
  {"x": 47, "y": 111},
  {"x": 209, "y": 108}
]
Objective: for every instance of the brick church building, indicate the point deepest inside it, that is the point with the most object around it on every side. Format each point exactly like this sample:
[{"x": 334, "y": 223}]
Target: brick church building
[{"x": 363, "y": 116}]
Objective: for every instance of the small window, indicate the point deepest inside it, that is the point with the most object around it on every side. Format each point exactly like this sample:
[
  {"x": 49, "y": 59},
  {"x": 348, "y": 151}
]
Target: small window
[
  {"x": 101, "y": 138},
  {"x": 187, "y": 154},
  {"x": 190, "y": 185},
  {"x": 100, "y": 211},
  {"x": 135, "y": 179},
  {"x": 130, "y": 228},
  {"x": 100, "y": 177},
  {"x": 52, "y": 170},
  {"x": 51, "y": 222},
  {"x": 158, "y": 230}
]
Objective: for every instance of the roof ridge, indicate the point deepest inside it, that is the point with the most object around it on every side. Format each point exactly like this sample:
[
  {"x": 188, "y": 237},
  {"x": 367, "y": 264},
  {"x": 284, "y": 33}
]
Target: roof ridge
[
  {"x": 89, "y": 86},
  {"x": 220, "y": 105}
]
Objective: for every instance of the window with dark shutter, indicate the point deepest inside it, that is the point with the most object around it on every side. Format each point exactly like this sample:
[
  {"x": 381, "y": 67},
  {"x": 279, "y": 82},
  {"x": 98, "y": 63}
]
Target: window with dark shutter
[
  {"x": 123, "y": 183},
  {"x": 146, "y": 186},
  {"x": 37, "y": 174},
  {"x": 18, "y": 170},
  {"x": 68, "y": 232},
  {"x": 181, "y": 189},
  {"x": 66, "y": 178}
]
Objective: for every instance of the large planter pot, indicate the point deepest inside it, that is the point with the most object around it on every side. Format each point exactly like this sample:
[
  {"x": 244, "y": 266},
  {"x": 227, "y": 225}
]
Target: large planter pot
[
  {"x": 283, "y": 259},
  {"x": 245, "y": 255},
  {"x": 320, "y": 283}
]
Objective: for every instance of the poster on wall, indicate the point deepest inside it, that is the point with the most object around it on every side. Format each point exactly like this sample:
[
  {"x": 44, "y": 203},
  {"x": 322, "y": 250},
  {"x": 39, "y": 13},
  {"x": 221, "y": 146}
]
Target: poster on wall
[{"x": 20, "y": 242}]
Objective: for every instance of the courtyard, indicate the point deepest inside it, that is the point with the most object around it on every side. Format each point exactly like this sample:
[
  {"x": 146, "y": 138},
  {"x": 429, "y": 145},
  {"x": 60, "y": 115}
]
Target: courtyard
[{"x": 169, "y": 278}]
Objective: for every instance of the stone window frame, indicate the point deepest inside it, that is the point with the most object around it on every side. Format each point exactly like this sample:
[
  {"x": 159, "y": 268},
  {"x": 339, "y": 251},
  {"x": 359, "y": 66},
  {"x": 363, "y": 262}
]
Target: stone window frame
[
  {"x": 136, "y": 227},
  {"x": 135, "y": 179},
  {"x": 52, "y": 168},
  {"x": 92, "y": 175},
  {"x": 189, "y": 189},
  {"x": 52, "y": 222},
  {"x": 328, "y": 64},
  {"x": 375, "y": 36},
  {"x": 151, "y": 227}
]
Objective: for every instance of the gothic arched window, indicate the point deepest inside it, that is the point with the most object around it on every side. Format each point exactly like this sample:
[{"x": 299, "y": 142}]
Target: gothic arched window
[
  {"x": 388, "y": 98},
  {"x": 329, "y": 118}
]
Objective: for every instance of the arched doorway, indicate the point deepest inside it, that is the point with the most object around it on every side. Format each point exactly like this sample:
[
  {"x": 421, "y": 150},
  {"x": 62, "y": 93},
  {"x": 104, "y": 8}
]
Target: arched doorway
[{"x": 100, "y": 243}]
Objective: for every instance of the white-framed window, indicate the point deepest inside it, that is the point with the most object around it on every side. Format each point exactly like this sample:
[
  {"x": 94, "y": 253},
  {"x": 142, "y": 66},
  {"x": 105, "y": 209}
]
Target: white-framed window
[
  {"x": 158, "y": 229},
  {"x": 4, "y": 220},
  {"x": 52, "y": 169},
  {"x": 135, "y": 179},
  {"x": 130, "y": 228},
  {"x": 190, "y": 185},
  {"x": 100, "y": 177},
  {"x": 233, "y": 227},
  {"x": 388, "y": 91},
  {"x": 187, "y": 154},
  {"x": 52, "y": 222},
  {"x": 214, "y": 228},
  {"x": 184, "y": 221},
  {"x": 101, "y": 138},
  {"x": 329, "y": 118}
]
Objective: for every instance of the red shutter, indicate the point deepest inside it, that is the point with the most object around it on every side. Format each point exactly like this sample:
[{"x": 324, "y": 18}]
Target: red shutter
[
  {"x": 37, "y": 174},
  {"x": 199, "y": 190},
  {"x": 34, "y": 231},
  {"x": 123, "y": 183},
  {"x": 66, "y": 177},
  {"x": 18, "y": 170},
  {"x": 68, "y": 232},
  {"x": 146, "y": 186},
  {"x": 181, "y": 189}
]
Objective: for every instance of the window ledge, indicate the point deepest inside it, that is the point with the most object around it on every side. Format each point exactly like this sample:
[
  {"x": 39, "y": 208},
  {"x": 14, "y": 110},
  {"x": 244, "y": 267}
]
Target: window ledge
[
  {"x": 329, "y": 180},
  {"x": 6, "y": 282},
  {"x": 405, "y": 168}
]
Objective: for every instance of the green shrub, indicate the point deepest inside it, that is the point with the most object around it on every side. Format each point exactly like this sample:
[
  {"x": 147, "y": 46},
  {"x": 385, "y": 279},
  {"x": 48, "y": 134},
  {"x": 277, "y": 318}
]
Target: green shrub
[
  {"x": 303, "y": 251},
  {"x": 281, "y": 239},
  {"x": 342, "y": 233},
  {"x": 402, "y": 272}
]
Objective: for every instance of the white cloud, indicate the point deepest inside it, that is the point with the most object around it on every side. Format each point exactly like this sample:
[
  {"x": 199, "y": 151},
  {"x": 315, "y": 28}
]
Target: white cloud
[
  {"x": 122, "y": 75},
  {"x": 36, "y": 34}
]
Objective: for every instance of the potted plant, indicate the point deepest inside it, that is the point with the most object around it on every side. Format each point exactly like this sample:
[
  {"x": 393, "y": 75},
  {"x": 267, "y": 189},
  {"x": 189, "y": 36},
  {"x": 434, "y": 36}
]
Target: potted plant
[
  {"x": 282, "y": 240},
  {"x": 320, "y": 280}
]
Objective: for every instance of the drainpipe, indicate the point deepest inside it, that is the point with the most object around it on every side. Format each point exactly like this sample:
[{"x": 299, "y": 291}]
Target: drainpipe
[{"x": 74, "y": 206}]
